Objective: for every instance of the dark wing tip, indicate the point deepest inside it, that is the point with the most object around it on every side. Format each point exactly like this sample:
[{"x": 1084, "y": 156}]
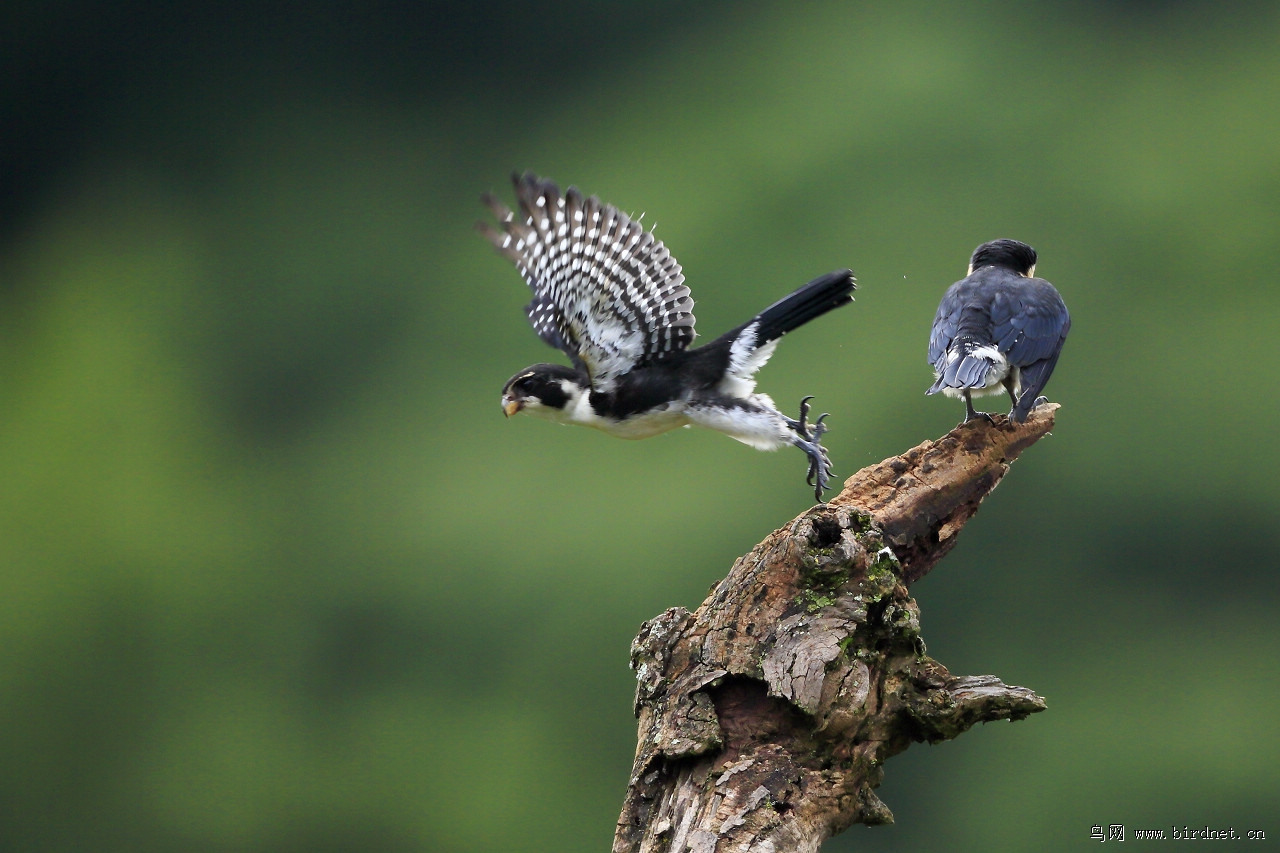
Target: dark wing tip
[
  {"x": 495, "y": 237},
  {"x": 499, "y": 210},
  {"x": 534, "y": 186}
]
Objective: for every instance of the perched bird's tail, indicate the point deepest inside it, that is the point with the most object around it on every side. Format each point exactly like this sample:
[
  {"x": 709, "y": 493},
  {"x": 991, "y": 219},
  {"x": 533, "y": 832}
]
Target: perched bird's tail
[
  {"x": 823, "y": 294},
  {"x": 967, "y": 364}
]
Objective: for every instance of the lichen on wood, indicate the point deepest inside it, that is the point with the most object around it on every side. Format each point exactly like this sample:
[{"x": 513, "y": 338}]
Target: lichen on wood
[{"x": 766, "y": 716}]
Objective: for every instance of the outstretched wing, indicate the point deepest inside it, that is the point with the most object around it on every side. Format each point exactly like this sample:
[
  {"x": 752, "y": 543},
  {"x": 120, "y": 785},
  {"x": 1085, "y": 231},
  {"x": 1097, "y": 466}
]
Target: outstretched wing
[{"x": 604, "y": 290}]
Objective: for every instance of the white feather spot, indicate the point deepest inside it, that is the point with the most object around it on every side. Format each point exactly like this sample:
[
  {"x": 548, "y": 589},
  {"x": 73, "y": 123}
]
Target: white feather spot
[{"x": 988, "y": 352}]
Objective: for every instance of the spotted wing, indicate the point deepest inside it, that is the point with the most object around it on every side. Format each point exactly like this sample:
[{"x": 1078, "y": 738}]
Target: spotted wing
[{"x": 605, "y": 291}]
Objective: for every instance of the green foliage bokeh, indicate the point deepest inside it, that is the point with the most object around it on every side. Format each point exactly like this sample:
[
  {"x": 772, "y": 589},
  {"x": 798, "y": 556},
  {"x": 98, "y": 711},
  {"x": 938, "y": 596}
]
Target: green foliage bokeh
[{"x": 276, "y": 575}]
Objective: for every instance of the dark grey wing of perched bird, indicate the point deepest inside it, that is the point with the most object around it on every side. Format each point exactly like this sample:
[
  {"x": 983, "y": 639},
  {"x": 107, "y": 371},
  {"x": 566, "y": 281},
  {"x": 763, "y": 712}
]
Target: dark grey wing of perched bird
[
  {"x": 1031, "y": 329},
  {"x": 998, "y": 327},
  {"x": 605, "y": 291},
  {"x": 957, "y": 365}
]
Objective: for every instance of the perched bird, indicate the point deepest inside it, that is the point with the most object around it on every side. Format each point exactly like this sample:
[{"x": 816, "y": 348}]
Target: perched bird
[
  {"x": 998, "y": 326},
  {"x": 614, "y": 300}
]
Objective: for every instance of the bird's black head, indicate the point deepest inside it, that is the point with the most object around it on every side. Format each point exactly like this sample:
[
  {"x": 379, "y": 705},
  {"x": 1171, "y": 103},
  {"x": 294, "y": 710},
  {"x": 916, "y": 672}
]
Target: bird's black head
[
  {"x": 540, "y": 385},
  {"x": 1009, "y": 254}
]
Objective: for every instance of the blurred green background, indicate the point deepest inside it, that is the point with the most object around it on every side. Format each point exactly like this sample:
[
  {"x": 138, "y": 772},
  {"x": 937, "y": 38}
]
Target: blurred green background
[{"x": 275, "y": 573}]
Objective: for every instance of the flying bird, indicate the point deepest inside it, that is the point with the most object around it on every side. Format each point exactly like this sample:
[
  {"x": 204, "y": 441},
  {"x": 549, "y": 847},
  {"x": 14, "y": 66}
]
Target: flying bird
[
  {"x": 998, "y": 326},
  {"x": 611, "y": 297}
]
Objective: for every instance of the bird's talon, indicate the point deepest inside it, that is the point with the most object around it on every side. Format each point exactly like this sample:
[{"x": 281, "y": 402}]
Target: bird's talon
[
  {"x": 803, "y": 423},
  {"x": 802, "y": 428},
  {"x": 819, "y": 473},
  {"x": 819, "y": 428}
]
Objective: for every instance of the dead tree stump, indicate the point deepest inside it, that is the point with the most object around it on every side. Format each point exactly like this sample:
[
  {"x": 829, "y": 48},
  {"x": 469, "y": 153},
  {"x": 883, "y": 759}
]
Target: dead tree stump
[{"x": 767, "y": 715}]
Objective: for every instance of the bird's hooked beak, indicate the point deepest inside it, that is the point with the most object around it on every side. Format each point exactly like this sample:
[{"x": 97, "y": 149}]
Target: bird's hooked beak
[{"x": 511, "y": 405}]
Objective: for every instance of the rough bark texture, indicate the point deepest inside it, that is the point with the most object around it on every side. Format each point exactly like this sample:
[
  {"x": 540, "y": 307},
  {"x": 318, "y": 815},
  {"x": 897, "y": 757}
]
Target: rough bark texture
[{"x": 766, "y": 716}]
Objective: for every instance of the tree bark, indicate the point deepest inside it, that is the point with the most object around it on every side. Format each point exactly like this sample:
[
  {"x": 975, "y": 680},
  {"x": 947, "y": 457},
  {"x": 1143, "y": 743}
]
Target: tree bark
[{"x": 767, "y": 715}]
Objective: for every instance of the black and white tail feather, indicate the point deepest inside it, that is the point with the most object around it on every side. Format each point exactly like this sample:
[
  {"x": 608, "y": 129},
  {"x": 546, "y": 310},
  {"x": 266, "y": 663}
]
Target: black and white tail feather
[
  {"x": 999, "y": 327},
  {"x": 612, "y": 298}
]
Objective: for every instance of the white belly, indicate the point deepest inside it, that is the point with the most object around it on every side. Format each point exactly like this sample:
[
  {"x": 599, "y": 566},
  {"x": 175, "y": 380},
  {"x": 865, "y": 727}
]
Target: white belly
[
  {"x": 635, "y": 427},
  {"x": 763, "y": 430}
]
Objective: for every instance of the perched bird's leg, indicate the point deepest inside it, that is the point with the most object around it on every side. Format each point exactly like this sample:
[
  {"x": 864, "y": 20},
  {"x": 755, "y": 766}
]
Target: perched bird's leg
[
  {"x": 1038, "y": 401},
  {"x": 971, "y": 413},
  {"x": 1007, "y": 382},
  {"x": 809, "y": 439}
]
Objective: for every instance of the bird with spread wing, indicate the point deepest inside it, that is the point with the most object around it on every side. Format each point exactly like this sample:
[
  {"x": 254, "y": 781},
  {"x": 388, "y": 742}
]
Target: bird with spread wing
[{"x": 611, "y": 297}]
